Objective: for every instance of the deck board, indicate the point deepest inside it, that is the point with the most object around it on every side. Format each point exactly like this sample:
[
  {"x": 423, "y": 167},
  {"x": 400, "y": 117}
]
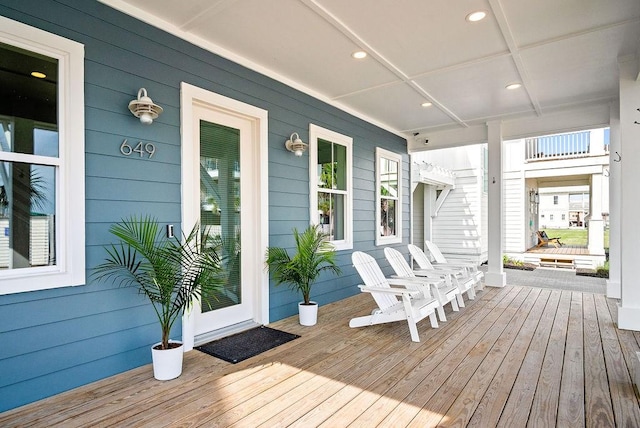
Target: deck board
[
  {"x": 514, "y": 356},
  {"x": 477, "y": 370},
  {"x": 566, "y": 250},
  {"x": 571, "y": 400},
  {"x": 625, "y": 403},
  {"x": 372, "y": 405},
  {"x": 433, "y": 393},
  {"x": 598, "y": 408},
  {"x": 491, "y": 403},
  {"x": 517, "y": 405},
  {"x": 544, "y": 409}
]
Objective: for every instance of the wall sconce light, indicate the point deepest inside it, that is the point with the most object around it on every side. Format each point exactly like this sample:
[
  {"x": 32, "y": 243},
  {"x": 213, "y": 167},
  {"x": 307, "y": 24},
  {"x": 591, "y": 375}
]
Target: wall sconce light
[
  {"x": 144, "y": 108},
  {"x": 295, "y": 145}
]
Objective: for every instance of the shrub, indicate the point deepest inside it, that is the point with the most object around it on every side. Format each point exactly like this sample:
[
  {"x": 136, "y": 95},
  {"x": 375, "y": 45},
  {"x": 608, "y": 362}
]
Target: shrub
[
  {"x": 603, "y": 270},
  {"x": 506, "y": 260}
]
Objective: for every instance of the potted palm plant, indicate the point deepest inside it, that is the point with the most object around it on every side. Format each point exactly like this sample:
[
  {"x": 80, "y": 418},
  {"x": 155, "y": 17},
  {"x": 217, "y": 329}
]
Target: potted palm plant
[
  {"x": 172, "y": 273},
  {"x": 314, "y": 254}
]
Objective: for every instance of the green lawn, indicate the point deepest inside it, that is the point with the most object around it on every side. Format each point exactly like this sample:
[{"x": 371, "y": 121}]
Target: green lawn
[{"x": 577, "y": 237}]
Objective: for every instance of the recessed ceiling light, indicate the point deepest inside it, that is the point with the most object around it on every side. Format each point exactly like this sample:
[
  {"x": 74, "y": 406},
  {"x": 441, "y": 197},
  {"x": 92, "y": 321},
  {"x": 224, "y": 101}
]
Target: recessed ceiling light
[
  {"x": 476, "y": 16},
  {"x": 38, "y": 74},
  {"x": 513, "y": 86},
  {"x": 426, "y": 104},
  {"x": 359, "y": 54}
]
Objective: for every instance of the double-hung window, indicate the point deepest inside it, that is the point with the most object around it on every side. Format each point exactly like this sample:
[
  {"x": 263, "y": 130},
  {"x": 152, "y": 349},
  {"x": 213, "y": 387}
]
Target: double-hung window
[
  {"x": 41, "y": 160},
  {"x": 330, "y": 184},
  {"x": 388, "y": 197}
]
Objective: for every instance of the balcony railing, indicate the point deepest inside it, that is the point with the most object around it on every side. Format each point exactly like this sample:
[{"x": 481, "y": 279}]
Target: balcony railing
[{"x": 562, "y": 146}]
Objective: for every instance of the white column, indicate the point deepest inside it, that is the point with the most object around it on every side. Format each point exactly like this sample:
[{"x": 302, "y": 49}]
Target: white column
[
  {"x": 615, "y": 188},
  {"x": 596, "y": 142},
  {"x": 629, "y": 160},
  {"x": 429, "y": 201},
  {"x": 495, "y": 276},
  {"x": 596, "y": 224}
]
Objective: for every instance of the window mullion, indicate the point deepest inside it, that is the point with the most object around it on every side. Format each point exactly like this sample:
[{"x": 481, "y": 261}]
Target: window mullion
[{"x": 28, "y": 158}]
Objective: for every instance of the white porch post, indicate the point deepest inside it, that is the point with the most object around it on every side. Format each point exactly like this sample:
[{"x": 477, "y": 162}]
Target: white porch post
[
  {"x": 429, "y": 201},
  {"x": 629, "y": 307},
  {"x": 596, "y": 142},
  {"x": 615, "y": 208},
  {"x": 495, "y": 277},
  {"x": 596, "y": 224}
]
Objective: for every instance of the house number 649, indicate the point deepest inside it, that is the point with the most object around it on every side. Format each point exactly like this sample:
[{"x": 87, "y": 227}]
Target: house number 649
[{"x": 141, "y": 148}]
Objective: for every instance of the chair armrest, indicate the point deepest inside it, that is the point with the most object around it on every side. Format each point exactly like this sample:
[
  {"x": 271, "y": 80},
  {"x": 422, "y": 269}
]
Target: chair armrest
[
  {"x": 395, "y": 291},
  {"x": 430, "y": 273},
  {"x": 442, "y": 271},
  {"x": 411, "y": 282},
  {"x": 457, "y": 265}
]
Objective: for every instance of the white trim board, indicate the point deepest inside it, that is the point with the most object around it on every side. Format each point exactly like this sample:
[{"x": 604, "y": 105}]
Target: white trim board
[{"x": 190, "y": 95}]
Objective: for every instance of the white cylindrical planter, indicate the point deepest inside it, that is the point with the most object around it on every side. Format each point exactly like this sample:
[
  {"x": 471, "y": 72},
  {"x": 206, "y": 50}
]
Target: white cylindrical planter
[
  {"x": 308, "y": 313},
  {"x": 167, "y": 363}
]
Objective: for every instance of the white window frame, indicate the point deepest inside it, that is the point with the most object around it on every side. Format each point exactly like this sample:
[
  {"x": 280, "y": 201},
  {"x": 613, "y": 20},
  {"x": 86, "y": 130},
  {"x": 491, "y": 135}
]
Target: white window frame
[
  {"x": 69, "y": 269},
  {"x": 394, "y": 157},
  {"x": 316, "y": 132}
]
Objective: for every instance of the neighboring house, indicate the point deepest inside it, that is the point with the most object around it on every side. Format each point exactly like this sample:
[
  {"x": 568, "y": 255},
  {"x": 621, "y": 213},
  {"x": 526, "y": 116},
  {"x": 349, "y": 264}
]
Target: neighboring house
[
  {"x": 562, "y": 207},
  {"x": 62, "y": 329},
  {"x": 548, "y": 183},
  {"x": 450, "y": 201},
  {"x": 561, "y": 177}
]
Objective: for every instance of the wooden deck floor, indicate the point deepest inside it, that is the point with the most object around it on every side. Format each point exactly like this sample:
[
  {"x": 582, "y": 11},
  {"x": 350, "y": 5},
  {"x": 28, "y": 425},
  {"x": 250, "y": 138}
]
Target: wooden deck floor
[
  {"x": 514, "y": 357},
  {"x": 565, "y": 249}
]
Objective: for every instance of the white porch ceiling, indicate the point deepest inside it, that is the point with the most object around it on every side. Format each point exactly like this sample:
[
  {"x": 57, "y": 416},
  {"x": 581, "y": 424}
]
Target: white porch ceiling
[{"x": 565, "y": 53}]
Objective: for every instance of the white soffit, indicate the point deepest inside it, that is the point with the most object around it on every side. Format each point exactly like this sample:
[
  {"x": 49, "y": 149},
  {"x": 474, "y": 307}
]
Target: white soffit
[
  {"x": 534, "y": 22},
  {"x": 400, "y": 104},
  {"x": 478, "y": 91},
  {"x": 286, "y": 35},
  {"x": 422, "y": 36},
  {"x": 564, "y": 53}
]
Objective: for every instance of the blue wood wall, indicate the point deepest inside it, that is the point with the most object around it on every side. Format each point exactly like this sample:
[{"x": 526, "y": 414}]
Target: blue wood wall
[{"x": 55, "y": 340}]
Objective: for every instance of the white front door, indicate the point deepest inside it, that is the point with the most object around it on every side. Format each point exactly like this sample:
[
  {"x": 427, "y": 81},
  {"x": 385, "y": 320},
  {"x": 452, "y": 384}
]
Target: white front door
[{"x": 222, "y": 184}]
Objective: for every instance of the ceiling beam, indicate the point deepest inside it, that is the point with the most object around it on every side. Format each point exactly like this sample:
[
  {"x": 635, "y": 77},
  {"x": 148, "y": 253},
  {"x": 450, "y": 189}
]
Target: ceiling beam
[
  {"x": 505, "y": 29},
  {"x": 577, "y": 118}
]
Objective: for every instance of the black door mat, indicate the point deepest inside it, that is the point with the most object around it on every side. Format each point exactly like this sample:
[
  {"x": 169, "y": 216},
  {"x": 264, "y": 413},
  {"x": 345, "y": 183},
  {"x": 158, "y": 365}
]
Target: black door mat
[{"x": 247, "y": 344}]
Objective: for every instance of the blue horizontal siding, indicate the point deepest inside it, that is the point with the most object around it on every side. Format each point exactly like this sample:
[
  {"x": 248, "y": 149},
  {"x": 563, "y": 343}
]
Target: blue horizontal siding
[
  {"x": 57, "y": 358},
  {"x": 66, "y": 337},
  {"x": 55, "y": 382},
  {"x": 59, "y": 333}
]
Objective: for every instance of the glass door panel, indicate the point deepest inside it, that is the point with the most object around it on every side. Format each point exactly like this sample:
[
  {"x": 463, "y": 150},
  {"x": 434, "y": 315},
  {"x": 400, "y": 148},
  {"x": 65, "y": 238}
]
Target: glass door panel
[{"x": 220, "y": 207}]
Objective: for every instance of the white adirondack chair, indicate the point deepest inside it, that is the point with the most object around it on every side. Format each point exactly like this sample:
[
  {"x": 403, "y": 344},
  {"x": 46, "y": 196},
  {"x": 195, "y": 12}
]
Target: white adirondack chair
[
  {"x": 440, "y": 259},
  {"x": 440, "y": 282},
  {"x": 461, "y": 276},
  {"x": 406, "y": 300}
]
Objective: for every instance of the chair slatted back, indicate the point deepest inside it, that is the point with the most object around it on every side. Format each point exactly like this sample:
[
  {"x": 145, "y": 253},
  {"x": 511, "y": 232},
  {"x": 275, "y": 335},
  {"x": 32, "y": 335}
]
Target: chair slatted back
[
  {"x": 398, "y": 263},
  {"x": 420, "y": 257},
  {"x": 435, "y": 252},
  {"x": 372, "y": 276}
]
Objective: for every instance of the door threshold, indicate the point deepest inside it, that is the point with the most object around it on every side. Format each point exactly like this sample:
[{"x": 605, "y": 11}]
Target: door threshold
[{"x": 224, "y": 332}]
